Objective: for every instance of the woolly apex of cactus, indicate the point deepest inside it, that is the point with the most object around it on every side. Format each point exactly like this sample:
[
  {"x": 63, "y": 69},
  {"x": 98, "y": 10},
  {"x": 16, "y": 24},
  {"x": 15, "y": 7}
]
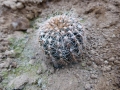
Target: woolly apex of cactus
[{"x": 62, "y": 39}]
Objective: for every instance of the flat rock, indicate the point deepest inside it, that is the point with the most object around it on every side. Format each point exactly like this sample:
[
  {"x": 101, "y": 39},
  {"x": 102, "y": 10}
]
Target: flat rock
[{"x": 19, "y": 82}]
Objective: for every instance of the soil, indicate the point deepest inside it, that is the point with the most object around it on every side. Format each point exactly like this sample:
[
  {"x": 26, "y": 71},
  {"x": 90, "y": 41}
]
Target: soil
[{"x": 98, "y": 70}]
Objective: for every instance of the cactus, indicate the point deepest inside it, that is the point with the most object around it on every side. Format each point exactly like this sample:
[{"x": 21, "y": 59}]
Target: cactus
[{"x": 62, "y": 40}]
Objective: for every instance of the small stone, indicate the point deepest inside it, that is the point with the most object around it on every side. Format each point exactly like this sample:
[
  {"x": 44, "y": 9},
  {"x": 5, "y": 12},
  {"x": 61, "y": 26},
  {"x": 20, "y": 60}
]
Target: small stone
[
  {"x": 113, "y": 36},
  {"x": 87, "y": 87},
  {"x": 98, "y": 62},
  {"x": 39, "y": 71},
  {"x": 92, "y": 59},
  {"x": 94, "y": 65},
  {"x": 4, "y": 65},
  {"x": 13, "y": 7},
  {"x": 116, "y": 62},
  {"x": 30, "y": 16},
  {"x": 10, "y": 53},
  {"x": 106, "y": 68},
  {"x": 89, "y": 63},
  {"x": 83, "y": 64},
  {"x": 13, "y": 65},
  {"x": 106, "y": 62},
  {"x": 111, "y": 59},
  {"x": 30, "y": 31},
  {"x": 31, "y": 62},
  {"x": 93, "y": 76},
  {"x": 95, "y": 81},
  {"x": 93, "y": 52},
  {"x": 19, "y": 5}
]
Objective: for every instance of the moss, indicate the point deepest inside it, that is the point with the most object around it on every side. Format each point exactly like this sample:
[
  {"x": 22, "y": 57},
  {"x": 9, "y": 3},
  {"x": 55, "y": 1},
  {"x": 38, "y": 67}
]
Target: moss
[
  {"x": 17, "y": 45},
  {"x": 4, "y": 73},
  {"x": 5, "y": 78},
  {"x": 25, "y": 69}
]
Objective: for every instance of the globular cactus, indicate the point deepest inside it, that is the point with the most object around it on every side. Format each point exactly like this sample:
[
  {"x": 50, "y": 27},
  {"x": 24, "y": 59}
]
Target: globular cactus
[{"x": 62, "y": 40}]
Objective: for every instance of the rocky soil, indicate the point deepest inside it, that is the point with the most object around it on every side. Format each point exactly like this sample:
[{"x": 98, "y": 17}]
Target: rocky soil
[{"x": 23, "y": 65}]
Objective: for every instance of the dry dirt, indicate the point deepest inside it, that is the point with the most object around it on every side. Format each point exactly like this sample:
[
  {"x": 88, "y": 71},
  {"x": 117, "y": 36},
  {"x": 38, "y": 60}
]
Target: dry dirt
[{"x": 99, "y": 69}]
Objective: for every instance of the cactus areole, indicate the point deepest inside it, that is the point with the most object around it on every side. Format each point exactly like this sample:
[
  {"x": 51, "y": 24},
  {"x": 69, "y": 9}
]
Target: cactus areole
[{"x": 62, "y": 40}]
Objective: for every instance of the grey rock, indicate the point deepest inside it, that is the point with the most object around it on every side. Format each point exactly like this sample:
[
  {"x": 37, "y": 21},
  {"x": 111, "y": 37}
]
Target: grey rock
[
  {"x": 116, "y": 62},
  {"x": 19, "y": 5},
  {"x": 93, "y": 52},
  {"x": 106, "y": 62},
  {"x": 93, "y": 76},
  {"x": 31, "y": 62},
  {"x": 39, "y": 71},
  {"x": 4, "y": 65},
  {"x": 89, "y": 63},
  {"x": 106, "y": 68},
  {"x": 30, "y": 31},
  {"x": 87, "y": 87},
  {"x": 98, "y": 62},
  {"x": 94, "y": 65},
  {"x": 10, "y": 53}
]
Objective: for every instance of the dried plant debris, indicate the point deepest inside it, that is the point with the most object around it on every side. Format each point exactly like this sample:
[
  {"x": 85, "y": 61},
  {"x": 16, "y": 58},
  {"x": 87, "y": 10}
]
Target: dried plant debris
[{"x": 62, "y": 40}]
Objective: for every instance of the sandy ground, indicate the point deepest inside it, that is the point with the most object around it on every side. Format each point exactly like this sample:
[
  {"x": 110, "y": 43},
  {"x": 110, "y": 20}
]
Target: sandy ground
[{"x": 99, "y": 69}]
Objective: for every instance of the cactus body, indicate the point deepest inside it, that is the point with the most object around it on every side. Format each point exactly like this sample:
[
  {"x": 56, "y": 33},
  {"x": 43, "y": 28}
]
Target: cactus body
[{"x": 62, "y": 40}]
